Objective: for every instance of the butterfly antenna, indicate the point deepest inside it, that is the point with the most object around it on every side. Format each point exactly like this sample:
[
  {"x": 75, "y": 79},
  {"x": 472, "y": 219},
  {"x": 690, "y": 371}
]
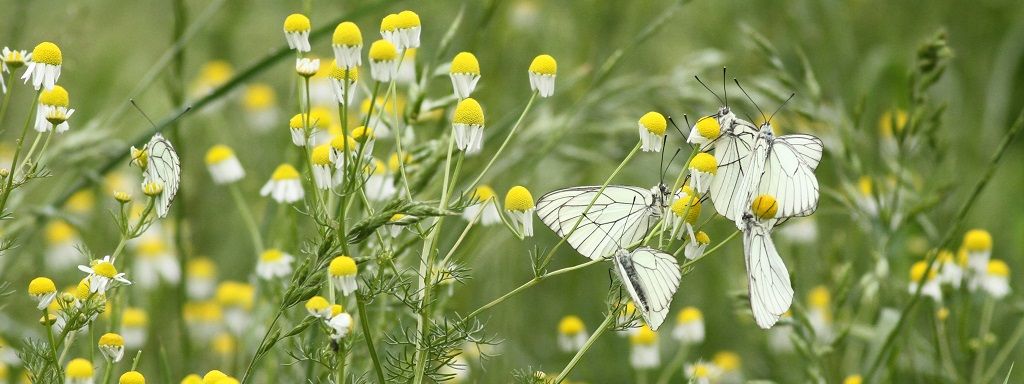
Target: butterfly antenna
[
  {"x": 143, "y": 113},
  {"x": 751, "y": 100},
  {"x": 780, "y": 107},
  {"x": 673, "y": 122},
  {"x": 709, "y": 90},
  {"x": 725, "y": 90}
]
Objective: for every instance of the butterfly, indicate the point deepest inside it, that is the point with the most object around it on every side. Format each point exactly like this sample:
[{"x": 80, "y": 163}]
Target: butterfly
[
  {"x": 783, "y": 167},
  {"x": 595, "y": 222},
  {"x": 160, "y": 164},
  {"x": 651, "y": 277},
  {"x": 771, "y": 292}
]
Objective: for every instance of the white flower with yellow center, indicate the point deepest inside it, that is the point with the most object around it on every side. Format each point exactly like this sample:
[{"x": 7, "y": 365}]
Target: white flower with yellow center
[
  {"x": 703, "y": 167},
  {"x": 78, "y": 371},
  {"x": 338, "y": 148},
  {"x": 61, "y": 239},
  {"x": 318, "y": 306},
  {"x": 322, "y": 167},
  {"x": 103, "y": 275},
  {"x": 224, "y": 167},
  {"x": 204, "y": 319},
  {"x": 701, "y": 372},
  {"x": 380, "y": 185},
  {"x": 212, "y": 75},
  {"x": 296, "y": 32},
  {"x": 274, "y": 264},
  {"x": 307, "y": 67},
  {"x": 200, "y": 278},
  {"x": 154, "y": 261},
  {"x": 819, "y": 311},
  {"x": 865, "y": 197},
  {"x": 112, "y": 346},
  {"x": 389, "y": 29},
  {"x": 728, "y": 364},
  {"x": 131, "y": 377},
  {"x": 978, "y": 244},
  {"x": 930, "y": 282},
  {"x": 519, "y": 204},
  {"x": 407, "y": 28},
  {"x": 364, "y": 138},
  {"x": 344, "y": 83},
  {"x": 297, "y": 127},
  {"x": 652, "y": 127},
  {"x": 685, "y": 211},
  {"x": 689, "y": 327},
  {"x": 949, "y": 271},
  {"x": 44, "y": 66},
  {"x": 133, "y": 327},
  {"x": 643, "y": 353},
  {"x": 396, "y": 223},
  {"x": 699, "y": 241},
  {"x": 347, "y": 42},
  {"x": 486, "y": 206},
  {"x": 284, "y": 186},
  {"x": 383, "y": 61},
  {"x": 341, "y": 325},
  {"x": 343, "y": 271},
  {"x": 704, "y": 131},
  {"x": 572, "y": 334},
  {"x": 260, "y": 104},
  {"x": 465, "y": 73},
  {"x": 543, "y": 70},
  {"x": 10, "y": 60},
  {"x": 53, "y": 112},
  {"x": 468, "y": 126},
  {"x": 236, "y": 299},
  {"x": 996, "y": 281},
  {"x": 43, "y": 291}
]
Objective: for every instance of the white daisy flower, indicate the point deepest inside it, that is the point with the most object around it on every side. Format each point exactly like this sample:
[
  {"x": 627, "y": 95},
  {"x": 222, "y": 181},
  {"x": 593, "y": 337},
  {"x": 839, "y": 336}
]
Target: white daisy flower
[
  {"x": 224, "y": 167},
  {"x": 52, "y": 112},
  {"x": 465, "y": 73},
  {"x": 200, "y": 278},
  {"x": 318, "y": 306},
  {"x": 407, "y": 27},
  {"x": 61, "y": 249},
  {"x": 702, "y": 372},
  {"x": 112, "y": 346},
  {"x": 43, "y": 291},
  {"x": 284, "y": 185},
  {"x": 996, "y": 281},
  {"x": 10, "y": 60},
  {"x": 380, "y": 185},
  {"x": 347, "y": 42},
  {"x": 307, "y": 67},
  {"x": 134, "y": 322},
  {"x": 296, "y": 32},
  {"x": 931, "y": 286},
  {"x": 572, "y": 334},
  {"x": 343, "y": 82},
  {"x": 468, "y": 126},
  {"x": 103, "y": 275},
  {"x": 79, "y": 371},
  {"x": 236, "y": 299},
  {"x": 652, "y": 127},
  {"x": 819, "y": 312},
  {"x": 259, "y": 103},
  {"x": 706, "y": 130},
  {"x": 643, "y": 353},
  {"x": 542, "y": 71},
  {"x": 978, "y": 244},
  {"x": 154, "y": 261},
  {"x": 343, "y": 271},
  {"x": 322, "y": 167},
  {"x": 703, "y": 167},
  {"x": 699, "y": 241},
  {"x": 341, "y": 325},
  {"x": 486, "y": 207},
  {"x": 44, "y": 66},
  {"x": 274, "y": 264},
  {"x": 689, "y": 327},
  {"x": 519, "y": 204},
  {"x": 383, "y": 61}
]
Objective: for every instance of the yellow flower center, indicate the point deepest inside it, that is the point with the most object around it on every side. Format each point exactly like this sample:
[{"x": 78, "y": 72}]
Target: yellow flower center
[
  {"x": 865, "y": 185},
  {"x": 389, "y": 23},
  {"x": 285, "y": 172},
  {"x": 689, "y": 315},
  {"x": 687, "y": 207},
  {"x": 700, "y": 371},
  {"x": 79, "y": 368},
  {"x": 296, "y": 22},
  {"x": 654, "y": 122},
  {"x": 235, "y": 294},
  {"x": 702, "y": 238},
  {"x": 58, "y": 97},
  {"x": 47, "y": 53},
  {"x": 41, "y": 286},
  {"x": 320, "y": 117},
  {"x": 224, "y": 344},
  {"x": 338, "y": 143},
  {"x": 59, "y": 232},
  {"x": 383, "y": 50},
  {"x": 272, "y": 255},
  {"x": 764, "y": 207},
  {"x": 378, "y": 168},
  {"x": 348, "y": 74},
  {"x": 942, "y": 314},
  {"x": 407, "y": 19},
  {"x": 853, "y": 379},
  {"x": 544, "y": 65},
  {"x": 259, "y": 97},
  {"x": 216, "y": 72},
  {"x": 570, "y": 325},
  {"x": 14, "y": 58},
  {"x": 213, "y": 377},
  {"x": 322, "y": 155},
  {"x": 347, "y": 33},
  {"x": 469, "y": 112},
  {"x": 704, "y": 162},
  {"x": 342, "y": 266},
  {"x": 484, "y": 193},
  {"x": 105, "y": 269},
  {"x": 111, "y": 340},
  {"x": 727, "y": 361},
  {"x": 885, "y": 123},
  {"x": 708, "y": 127},
  {"x": 917, "y": 272},
  {"x": 82, "y": 289},
  {"x": 819, "y": 297},
  {"x": 518, "y": 199},
  {"x": 465, "y": 62},
  {"x": 361, "y": 133},
  {"x": 317, "y": 304},
  {"x": 998, "y": 268},
  {"x": 152, "y": 246},
  {"x": 977, "y": 240},
  {"x": 393, "y": 161},
  {"x": 202, "y": 267},
  {"x": 643, "y": 336},
  {"x": 218, "y": 153},
  {"x": 336, "y": 309}
]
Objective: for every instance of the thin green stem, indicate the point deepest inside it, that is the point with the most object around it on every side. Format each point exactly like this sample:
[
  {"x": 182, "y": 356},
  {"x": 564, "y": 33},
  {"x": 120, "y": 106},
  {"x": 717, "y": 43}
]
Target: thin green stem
[
  {"x": 1004, "y": 353},
  {"x": 986, "y": 322},
  {"x": 107, "y": 371},
  {"x": 255, "y": 358},
  {"x": 49, "y": 335},
  {"x": 508, "y": 138},
  {"x": 590, "y": 342},
  {"x": 17, "y": 152},
  {"x": 364, "y": 321},
  {"x": 945, "y": 357},
  {"x": 340, "y": 371},
  {"x": 528, "y": 284},
  {"x": 673, "y": 366}
]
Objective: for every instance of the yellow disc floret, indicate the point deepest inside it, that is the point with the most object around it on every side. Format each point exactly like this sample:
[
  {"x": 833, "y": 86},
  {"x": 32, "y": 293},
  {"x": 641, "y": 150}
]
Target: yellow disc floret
[
  {"x": 469, "y": 112},
  {"x": 79, "y": 369},
  {"x": 484, "y": 193},
  {"x": 296, "y": 22},
  {"x": 977, "y": 240},
  {"x": 105, "y": 269},
  {"x": 322, "y": 155},
  {"x": 361, "y": 133},
  {"x": 132, "y": 377},
  {"x": 764, "y": 206},
  {"x": 704, "y": 162},
  {"x": 407, "y": 19},
  {"x": 272, "y": 255},
  {"x": 201, "y": 267},
  {"x": 383, "y": 50},
  {"x": 112, "y": 340},
  {"x": 214, "y": 377},
  {"x": 998, "y": 268},
  {"x": 819, "y": 297},
  {"x": 702, "y": 238},
  {"x": 853, "y": 379},
  {"x": 339, "y": 73},
  {"x": 218, "y": 153},
  {"x": 59, "y": 232},
  {"x": 643, "y": 336},
  {"x": 689, "y": 315},
  {"x": 258, "y": 97},
  {"x": 518, "y": 199},
  {"x": 544, "y": 65},
  {"x": 41, "y": 286},
  {"x": 570, "y": 325},
  {"x": 285, "y": 172},
  {"x": 687, "y": 207},
  {"x": 465, "y": 62},
  {"x": 654, "y": 122},
  {"x": 47, "y": 53},
  {"x": 298, "y": 121},
  {"x": 727, "y": 361},
  {"x": 709, "y": 128},
  {"x": 58, "y": 97},
  {"x": 347, "y": 33},
  {"x": 317, "y": 304},
  {"x": 134, "y": 317},
  {"x": 342, "y": 266},
  {"x": 918, "y": 269},
  {"x": 389, "y": 23}
]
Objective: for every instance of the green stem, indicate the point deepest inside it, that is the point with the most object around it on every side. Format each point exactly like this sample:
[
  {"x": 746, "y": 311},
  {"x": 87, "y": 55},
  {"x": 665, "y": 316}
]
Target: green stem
[
  {"x": 340, "y": 371},
  {"x": 7, "y": 96},
  {"x": 364, "y": 321},
  {"x": 590, "y": 342},
  {"x": 1004, "y": 353},
  {"x": 256, "y": 357},
  {"x": 49, "y": 335},
  {"x": 945, "y": 357},
  {"x": 107, "y": 371},
  {"x": 986, "y": 321},
  {"x": 529, "y": 284},
  {"x": 507, "y": 140},
  {"x": 673, "y": 366},
  {"x": 17, "y": 152}
]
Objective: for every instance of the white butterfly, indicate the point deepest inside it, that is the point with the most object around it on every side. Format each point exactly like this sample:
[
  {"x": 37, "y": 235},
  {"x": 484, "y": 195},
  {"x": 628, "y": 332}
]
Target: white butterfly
[
  {"x": 783, "y": 167},
  {"x": 620, "y": 215},
  {"x": 728, "y": 190},
  {"x": 651, "y": 277},
  {"x": 163, "y": 167},
  {"x": 771, "y": 292}
]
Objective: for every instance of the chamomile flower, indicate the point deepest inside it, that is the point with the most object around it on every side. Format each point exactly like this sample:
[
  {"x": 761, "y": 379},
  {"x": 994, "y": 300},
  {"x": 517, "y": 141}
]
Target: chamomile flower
[
  {"x": 703, "y": 167},
  {"x": 407, "y": 29},
  {"x": 486, "y": 206},
  {"x": 61, "y": 249},
  {"x": 996, "y": 281},
  {"x": 978, "y": 244},
  {"x": 383, "y": 61},
  {"x": 949, "y": 270},
  {"x": 689, "y": 327},
  {"x": 260, "y": 104},
  {"x": 347, "y": 42},
  {"x": 274, "y": 264},
  {"x": 341, "y": 325},
  {"x": 212, "y": 75},
  {"x": 78, "y": 371},
  {"x": 728, "y": 364},
  {"x": 53, "y": 112},
  {"x": 685, "y": 210},
  {"x": 572, "y": 334},
  {"x": 133, "y": 327},
  {"x": 297, "y": 127},
  {"x": 307, "y": 67},
  {"x": 343, "y": 81},
  {"x": 322, "y": 167},
  {"x": 317, "y": 306},
  {"x": 44, "y": 66},
  {"x": 819, "y": 311},
  {"x": 214, "y": 377},
  {"x": 701, "y": 372},
  {"x": 468, "y": 126},
  {"x": 103, "y": 275},
  {"x": 698, "y": 242},
  {"x": 652, "y": 131},
  {"x": 380, "y": 185},
  {"x": 112, "y": 346},
  {"x": 224, "y": 345},
  {"x": 465, "y": 73},
  {"x": 364, "y": 138},
  {"x": 519, "y": 204},
  {"x": 296, "y": 32},
  {"x": 704, "y": 131},
  {"x": 396, "y": 223},
  {"x": 389, "y": 29},
  {"x": 43, "y": 291},
  {"x": 224, "y": 167},
  {"x": 200, "y": 278},
  {"x": 10, "y": 60},
  {"x": 643, "y": 353},
  {"x": 131, "y": 377},
  {"x": 542, "y": 71},
  {"x": 204, "y": 319},
  {"x": 154, "y": 262},
  {"x": 284, "y": 185},
  {"x": 236, "y": 299},
  {"x": 930, "y": 283},
  {"x": 343, "y": 271}
]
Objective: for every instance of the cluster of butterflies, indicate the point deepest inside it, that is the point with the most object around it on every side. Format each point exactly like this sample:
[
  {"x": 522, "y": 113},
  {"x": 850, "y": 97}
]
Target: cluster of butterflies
[{"x": 599, "y": 222}]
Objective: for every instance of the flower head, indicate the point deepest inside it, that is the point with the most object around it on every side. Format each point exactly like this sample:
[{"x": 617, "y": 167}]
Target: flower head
[
  {"x": 542, "y": 71},
  {"x": 343, "y": 80},
  {"x": 925, "y": 278},
  {"x": 307, "y": 67},
  {"x": 644, "y": 351},
  {"x": 284, "y": 185},
  {"x": 689, "y": 326},
  {"x": 468, "y": 126},
  {"x": 43, "y": 291},
  {"x": 343, "y": 270},
  {"x": 319, "y": 307},
  {"x": 383, "y": 60},
  {"x": 44, "y": 69},
  {"x": 465, "y": 73},
  {"x": 486, "y": 207},
  {"x": 347, "y": 42},
  {"x": 274, "y": 264},
  {"x": 103, "y": 275},
  {"x": 78, "y": 371},
  {"x": 764, "y": 207},
  {"x": 224, "y": 167},
  {"x": 407, "y": 26},
  {"x": 296, "y": 32},
  {"x": 132, "y": 377},
  {"x": 572, "y": 333},
  {"x": 996, "y": 281},
  {"x": 652, "y": 131},
  {"x": 53, "y": 112},
  {"x": 112, "y": 346},
  {"x": 705, "y": 131},
  {"x": 341, "y": 325}
]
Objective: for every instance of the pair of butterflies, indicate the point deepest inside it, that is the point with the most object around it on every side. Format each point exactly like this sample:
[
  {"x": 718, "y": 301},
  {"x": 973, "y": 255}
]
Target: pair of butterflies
[{"x": 599, "y": 222}]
